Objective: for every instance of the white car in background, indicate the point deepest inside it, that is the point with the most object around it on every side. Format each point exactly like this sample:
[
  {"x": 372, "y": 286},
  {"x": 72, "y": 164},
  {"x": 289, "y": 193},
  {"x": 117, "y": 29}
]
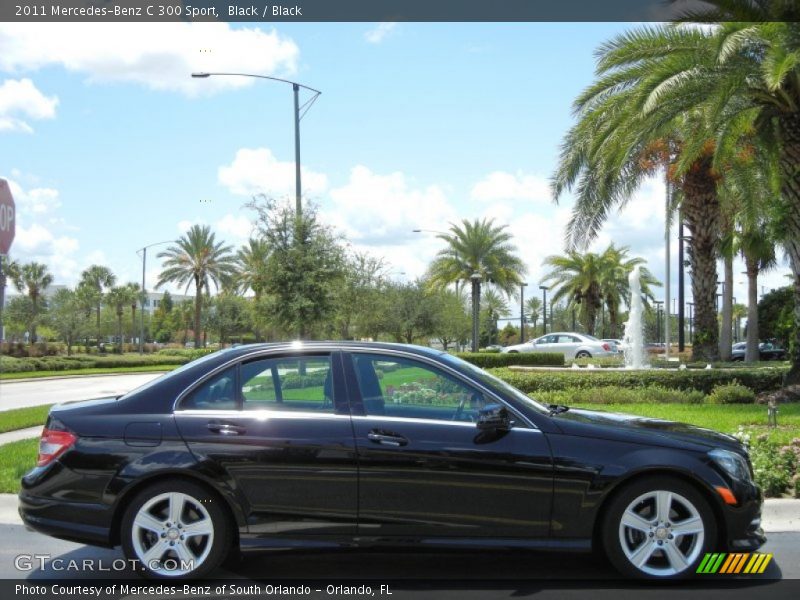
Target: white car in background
[
  {"x": 571, "y": 345},
  {"x": 617, "y": 345}
]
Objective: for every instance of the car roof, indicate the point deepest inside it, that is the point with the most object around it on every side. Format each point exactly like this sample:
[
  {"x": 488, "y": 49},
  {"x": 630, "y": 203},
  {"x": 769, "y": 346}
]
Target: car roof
[{"x": 300, "y": 345}]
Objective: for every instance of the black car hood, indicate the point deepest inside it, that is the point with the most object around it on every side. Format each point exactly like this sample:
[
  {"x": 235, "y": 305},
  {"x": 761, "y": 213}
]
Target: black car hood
[{"x": 634, "y": 428}]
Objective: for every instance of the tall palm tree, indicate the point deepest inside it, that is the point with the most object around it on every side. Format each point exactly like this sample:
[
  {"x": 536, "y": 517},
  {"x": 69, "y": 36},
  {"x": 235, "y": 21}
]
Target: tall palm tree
[
  {"x": 744, "y": 76},
  {"x": 136, "y": 298},
  {"x": 251, "y": 262},
  {"x": 494, "y": 306},
  {"x": 95, "y": 280},
  {"x": 120, "y": 298},
  {"x": 620, "y": 140},
  {"x": 197, "y": 258},
  {"x": 577, "y": 278},
  {"x": 533, "y": 310},
  {"x": 31, "y": 279},
  {"x": 479, "y": 248}
]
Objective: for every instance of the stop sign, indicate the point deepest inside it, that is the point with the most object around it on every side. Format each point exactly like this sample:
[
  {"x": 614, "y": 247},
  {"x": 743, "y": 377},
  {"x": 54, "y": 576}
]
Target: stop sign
[{"x": 7, "y": 214}]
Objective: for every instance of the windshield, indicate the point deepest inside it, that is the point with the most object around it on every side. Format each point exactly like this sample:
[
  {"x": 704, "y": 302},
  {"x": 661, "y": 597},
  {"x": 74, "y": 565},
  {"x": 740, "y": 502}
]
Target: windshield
[
  {"x": 175, "y": 372},
  {"x": 494, "y": 383}
]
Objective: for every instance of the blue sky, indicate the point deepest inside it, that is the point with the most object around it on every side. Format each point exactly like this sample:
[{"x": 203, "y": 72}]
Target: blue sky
[{"x": 110, "y": 145}]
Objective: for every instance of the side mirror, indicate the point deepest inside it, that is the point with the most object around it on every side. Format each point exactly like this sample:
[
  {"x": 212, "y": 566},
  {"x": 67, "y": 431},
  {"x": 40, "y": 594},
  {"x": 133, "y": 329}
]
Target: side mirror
[{"x": 494, "y": 417}]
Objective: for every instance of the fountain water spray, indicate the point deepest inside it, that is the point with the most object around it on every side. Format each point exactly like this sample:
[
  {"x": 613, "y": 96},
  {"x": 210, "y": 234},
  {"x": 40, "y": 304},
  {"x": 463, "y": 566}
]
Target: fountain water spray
[{"x": 634, "y": 330}]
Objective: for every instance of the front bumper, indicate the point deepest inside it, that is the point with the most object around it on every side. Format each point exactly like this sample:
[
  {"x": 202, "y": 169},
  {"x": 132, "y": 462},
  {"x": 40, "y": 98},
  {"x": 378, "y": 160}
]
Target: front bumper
[{"x": 744, "y": 532}]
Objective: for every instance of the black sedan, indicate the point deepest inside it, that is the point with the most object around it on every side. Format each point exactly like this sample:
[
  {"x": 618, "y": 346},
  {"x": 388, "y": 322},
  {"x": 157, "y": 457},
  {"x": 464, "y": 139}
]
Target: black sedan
[
  {"x": 766, "y": 351},
  {"x": 342, "y": 444}
]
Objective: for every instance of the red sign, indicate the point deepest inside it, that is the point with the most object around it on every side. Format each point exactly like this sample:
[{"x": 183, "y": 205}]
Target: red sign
[{"x": 7, "y": 217}]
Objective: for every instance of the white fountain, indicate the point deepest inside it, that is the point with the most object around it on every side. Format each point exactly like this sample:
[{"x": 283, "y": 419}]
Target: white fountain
[{"x": 635, "y": 357}]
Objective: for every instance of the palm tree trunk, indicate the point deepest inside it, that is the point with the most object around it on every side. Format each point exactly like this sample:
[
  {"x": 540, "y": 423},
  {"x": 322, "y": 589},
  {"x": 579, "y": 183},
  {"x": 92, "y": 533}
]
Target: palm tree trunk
[
  {"x": 133, "y": 322},
  {"x": 790, "y": 193},
  {"x": 613, "y": 317},
  {"x": 727, "y": 312},
  {"x": 701, "y": 208},
  {"x": 751, "y": 352},
  {"x": 198, "y": 305},
  {"x": 119, "y": 333}
]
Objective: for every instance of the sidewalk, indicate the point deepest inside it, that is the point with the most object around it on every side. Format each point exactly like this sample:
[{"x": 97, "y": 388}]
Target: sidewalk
[{"x": 20, "y": 434}]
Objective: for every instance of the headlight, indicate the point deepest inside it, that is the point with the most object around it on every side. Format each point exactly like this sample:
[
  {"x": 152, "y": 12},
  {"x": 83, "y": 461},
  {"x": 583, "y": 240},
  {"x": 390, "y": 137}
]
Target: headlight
[{"x": 733, "y": 464}]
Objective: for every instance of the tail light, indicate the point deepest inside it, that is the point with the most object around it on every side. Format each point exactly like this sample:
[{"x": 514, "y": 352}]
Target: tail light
[
  {"x": 53, "y": 444},
  {"x": 606, "y": 347}
]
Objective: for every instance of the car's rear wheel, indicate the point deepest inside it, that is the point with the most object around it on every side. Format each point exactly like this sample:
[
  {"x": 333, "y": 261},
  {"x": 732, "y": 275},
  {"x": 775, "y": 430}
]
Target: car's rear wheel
[
  {"x": 583, "y": 354},
  {"x": 175, "y": 529},
  {"x": 658, "y": 528}
]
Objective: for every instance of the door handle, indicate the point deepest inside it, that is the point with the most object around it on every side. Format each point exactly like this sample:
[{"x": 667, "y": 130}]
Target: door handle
[
  {"x": 225, "y": 428},
  {"x": 386, "y": 438}
]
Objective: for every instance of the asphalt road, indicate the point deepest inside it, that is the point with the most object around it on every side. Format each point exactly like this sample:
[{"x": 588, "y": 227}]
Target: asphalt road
[{"x": 35, "y": 392}]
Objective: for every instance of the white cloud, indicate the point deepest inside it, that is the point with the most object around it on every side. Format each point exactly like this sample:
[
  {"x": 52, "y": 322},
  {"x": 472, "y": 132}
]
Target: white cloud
[
  {"x": 378, "y": 33},
  {"x": 240, "y": 228},
  {"x": 256, "y": 170},
  {"x": 160, "y": 56},
  {"x": 500, "y": 185},
  {"x": 20, "y": 99},
  {"x": 377, "y": 209},
  {"x": 36, "y": 201}
]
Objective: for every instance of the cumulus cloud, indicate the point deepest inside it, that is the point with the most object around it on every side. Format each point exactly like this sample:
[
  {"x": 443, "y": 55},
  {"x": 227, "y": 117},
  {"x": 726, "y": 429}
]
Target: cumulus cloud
[
  {"x": 35, "y": 201},
  {"x": 501, "y": 185},
  {"x": 378, "y": 33},
  {"x": 160, "y": 56},
  {"x": 21, "y": 100},
  {"x": 380, "y": 209},
  {"x": 256, "y": 170},
  {"x": 235, "y": 229}
]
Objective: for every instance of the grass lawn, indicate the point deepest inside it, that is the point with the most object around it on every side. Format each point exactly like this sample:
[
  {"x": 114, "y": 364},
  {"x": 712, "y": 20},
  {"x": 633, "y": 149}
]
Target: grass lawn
[
  {"x": 97, "y": 371},
  {"x": 722, "y": 417},
  {"x": 16, "y": 459},
  {"x": 20, "y": 418}
]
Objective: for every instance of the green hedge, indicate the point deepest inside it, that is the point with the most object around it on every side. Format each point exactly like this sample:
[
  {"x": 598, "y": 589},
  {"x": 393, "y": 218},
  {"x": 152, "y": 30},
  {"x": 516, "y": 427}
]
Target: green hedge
[
  {"x": 621, "y": 395},
  {"x": 189, "y": 353},
  {"x": 66, "y": 363},
  {"x": 486, "y": 360},
  {"x": 758, "y": 380}
]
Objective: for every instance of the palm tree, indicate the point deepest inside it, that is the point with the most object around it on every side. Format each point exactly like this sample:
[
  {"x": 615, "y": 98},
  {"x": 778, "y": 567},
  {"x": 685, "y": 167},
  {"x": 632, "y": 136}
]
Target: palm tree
[
  {"x": 95, "y": 279},
  {"x": 197, "y": 258},
  {"x": 251, "y": 263},
  {"x": 495, "y": 306},
  {"x": 31, "y": 279},
  {"x": 620, "y": 140},
  {"x": 745, "y": 77},
  {"x": 120, "y": 298},
  {"x": 533, "y": 309},
  {"x": 616, "y": 267},
  {"x": 478, "y": 248},
  {"x": 576, "y": 278},
  {"x": 136, "y": 298}
]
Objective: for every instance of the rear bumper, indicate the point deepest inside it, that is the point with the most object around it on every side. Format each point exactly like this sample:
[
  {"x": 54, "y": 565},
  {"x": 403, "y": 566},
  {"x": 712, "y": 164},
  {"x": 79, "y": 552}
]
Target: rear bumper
[{"x": 65, "y": 520}]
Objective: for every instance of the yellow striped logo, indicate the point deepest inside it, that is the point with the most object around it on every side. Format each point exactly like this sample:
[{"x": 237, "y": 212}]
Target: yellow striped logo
[{"x": 734, "y": 563}]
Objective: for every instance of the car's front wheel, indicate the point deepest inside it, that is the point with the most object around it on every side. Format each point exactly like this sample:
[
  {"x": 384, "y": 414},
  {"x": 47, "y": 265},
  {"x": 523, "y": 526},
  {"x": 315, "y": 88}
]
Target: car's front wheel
[
  {"x": 174, "y": 530},
  {"x": 659, "y": 528}
]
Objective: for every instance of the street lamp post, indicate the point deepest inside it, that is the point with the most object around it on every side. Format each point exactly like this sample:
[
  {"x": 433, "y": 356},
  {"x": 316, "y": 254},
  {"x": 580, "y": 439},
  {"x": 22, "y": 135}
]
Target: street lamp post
[
  {"x": 691, "y": 322},
  {"x": 299, "y": 113},
  {"x": 544, "y": 308},
  {"x": 658, "y": 304},
  {"x": 522, "y": 287},
  {"x": 476, "y": 298},
  {"x": 144, "y": 291}
]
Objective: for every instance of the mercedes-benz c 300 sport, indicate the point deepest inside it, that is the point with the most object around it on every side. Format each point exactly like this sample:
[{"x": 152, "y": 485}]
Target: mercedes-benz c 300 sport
[{"x": 327, "y": 443}]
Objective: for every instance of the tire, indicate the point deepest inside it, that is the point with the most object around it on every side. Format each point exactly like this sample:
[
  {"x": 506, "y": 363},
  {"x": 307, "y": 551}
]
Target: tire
[
  {"x": 583, "y": 354},
  {"x": 646, "y": 547},
  {"x": 151, "y": 537}
]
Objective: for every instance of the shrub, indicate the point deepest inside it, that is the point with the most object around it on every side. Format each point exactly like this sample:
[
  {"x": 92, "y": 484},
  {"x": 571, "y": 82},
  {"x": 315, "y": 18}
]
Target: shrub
[
  {"x": 531, "y": 382},
  {"x": 488, "y": 359},
  {"x": 621, "y": 395},
  {"x": 731, "y": 393},
  {"x": 188, "y": 353}
]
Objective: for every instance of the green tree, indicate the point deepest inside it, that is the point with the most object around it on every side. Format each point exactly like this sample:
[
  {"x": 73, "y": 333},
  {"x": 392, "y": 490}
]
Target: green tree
[
  {"x": 493, "y": 306},
  {"x": 620, "y": 140},
  {"x": 304, "y": 267},
  {"x": 251, "y": 262},
  {"x": 69, "y": 317},
  {"x": 410, "y": 314},
  {"x": 197, "y": 259},
  {"x": 32, "y": 279},
  {"x": 775, "y": 316},
  {"x": 95, "y": 280},
  {"x": 119, "y": 298},
  {"x": 577, "y": 278},
  {"x": 478, "y": 247},
  {"x": 361, "y": 275},
  {"x": 228, "y": 316},
  {"x": 533, "y": 310},
  {"x": 451, "y": 324},
  {"x": 18, "y": 316}
]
